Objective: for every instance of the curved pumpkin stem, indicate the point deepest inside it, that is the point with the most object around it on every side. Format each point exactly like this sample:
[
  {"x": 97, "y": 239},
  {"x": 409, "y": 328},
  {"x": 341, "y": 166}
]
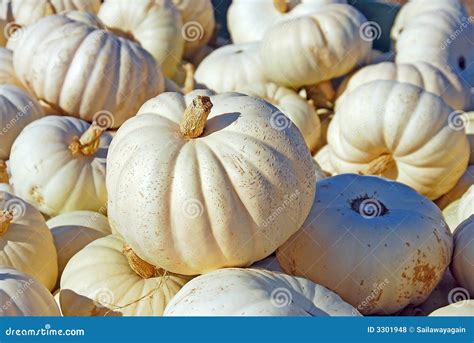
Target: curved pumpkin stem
[
  {"x": 195, "y": 117},
  {"x": 3, "y": 172},
  {"x": 281, "y": 5},
  {"x": 139, "y": 266},
  {"x": 321, "y": 95},
  {"x": 89, "y": 142},
  {"x": 189, "y": 83},
  {"x": 379, "y": 165},
  {"x": 5, "y": 219}
]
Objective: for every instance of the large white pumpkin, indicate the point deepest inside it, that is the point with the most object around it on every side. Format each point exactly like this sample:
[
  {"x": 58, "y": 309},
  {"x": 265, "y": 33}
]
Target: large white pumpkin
[
  {"x": 67, "y": 170},
  {"x": 462, "y": 265},
  {"x": 320, "y": 46},
  {"x": 26, "y": 243},
  {"x": 377, "y": 243},
  {"x": 466, "y": 204},
  {"x": 255, "y": 292},
  {"x": 461, "y": 187},
  {"x": 84, "y": 71},
  {"x": 248, "y": 20},
  {"x": 22, "y": 295},
  {"x": 401, "y": 132},
  {"x": 72, "y": 231},
  {"x": 155, "y": 24},
  {"x": 17, "y": 109},
  {"x": 191, "y": 195},
  {"x": 230, "y": 67},
  {"x": 464, "y": 308},
  {"x": 440, "y": 81},
  {"x": 300, "y": 112},
  {"x": 107, "y": 278}
]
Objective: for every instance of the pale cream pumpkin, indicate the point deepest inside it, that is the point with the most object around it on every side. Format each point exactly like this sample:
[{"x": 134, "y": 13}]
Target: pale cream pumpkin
[
  {"x": 27, "y": 12},
  {"x": 27, "y": 244},
  {"x": 191, "y": 195},
  {"x": 230, "y": 67},
  {"x": 255, "y": 292},
  {"x": 107, "y": 278},
  {"x": 440, "y": 297},
  {"x": 401, "y": 132},
  {"x": 440, "y": 33},
  {"x": 22, "y": 295},
  {"x": 377, "y": 243},
  {"x": 81, "y": 70},
  {"x": 464, "y": 308},
  {"x": 329, "y": 45},
  {"x": 466, "y": 204},
  {"x": 67, "y": 171},
  {"x": 248, "y": 20},
  {"x": 18, "y": 109},
  {"x": 7, "y": 73},
  {"x": 463, "y": 184},
  {"x": 155, "y": 24},
  {"x": 198, "y": 24},
  {"x": 462, "y": 265},
  {"x": 323, "y": 158},
  {"x": 72, "y": 231},
  {"x": 437, "y": 80},
  {"x": 301, "y": 113}
]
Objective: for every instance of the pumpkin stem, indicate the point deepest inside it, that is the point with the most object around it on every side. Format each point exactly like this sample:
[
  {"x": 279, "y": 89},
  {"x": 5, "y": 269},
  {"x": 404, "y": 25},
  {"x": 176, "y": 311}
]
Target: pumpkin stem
[
  {"x": 89, "y": 142},
  {"x": 195, "y": 117},
  {"x": 5, "y": 219},
  {"x": 379, "y": 165},
  {"x": 321, "y": 95},
  {"x": 281, "y": 5},
  {"x": 3, "y": 172},
  {"x": 139, "y": 266},
  {"x": 189, "y": 83}
]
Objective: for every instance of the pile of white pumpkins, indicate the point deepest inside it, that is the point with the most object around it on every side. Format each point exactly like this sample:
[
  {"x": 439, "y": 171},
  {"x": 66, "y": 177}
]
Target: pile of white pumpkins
[{"x": 150, "y": 168}]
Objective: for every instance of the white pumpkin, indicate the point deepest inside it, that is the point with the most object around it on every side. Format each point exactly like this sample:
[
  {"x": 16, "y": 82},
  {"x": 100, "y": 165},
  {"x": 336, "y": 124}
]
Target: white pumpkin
[
  {"x": 377, "y": 243},
  {"x": 155, "y": 24},
  {"x": 198, "y": 24},
  {"x": 230, "y": 67},
  {"x": 323, "y": 158},
  {"x": 22, "y": 295},
  {"x": 440, "y": 297},
  {"x": 464, "y": 308},
  {"x": 107, "y": 278},
  {"x": 299, "y": 112},
  {"x": 441, "y": 33},
  {"x": 27, "y": 244},
  {"x": 197, "y": 195},
  {"x": 440, "y": 81},
  {"x": 466, "y": 204},
  {"x": 462, "y": 265},
  {"x": 27, "y": 12},
  {"x": 255, "y": 292},
  {"x": 401, "y": 132},
  {"x": 248, "y": 20},
  {"x": 7, "y": 73},
  {"x": 463, "y": 184},
  {"x": 67, "y": 171},
  {"x": 329, "y": 45},
  {"x": 72, "y": 231},
  {"x": 18, "y": 109},
  {"x": 83, "y": 71}
]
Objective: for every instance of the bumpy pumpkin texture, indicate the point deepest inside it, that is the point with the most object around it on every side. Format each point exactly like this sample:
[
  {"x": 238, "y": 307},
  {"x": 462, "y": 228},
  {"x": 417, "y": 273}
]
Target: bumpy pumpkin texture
[{"x": 192, "y": 195}]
